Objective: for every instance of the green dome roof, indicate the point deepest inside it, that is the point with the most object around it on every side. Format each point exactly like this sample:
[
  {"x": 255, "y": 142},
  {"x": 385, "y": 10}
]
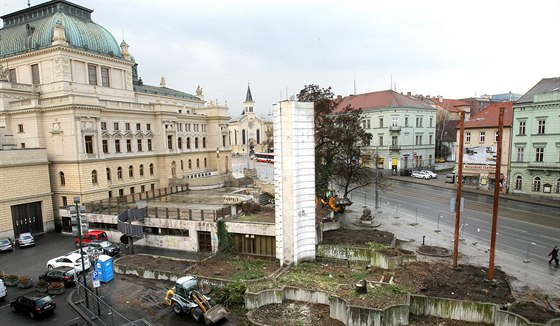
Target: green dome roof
[{"x": 32, "y": 29}]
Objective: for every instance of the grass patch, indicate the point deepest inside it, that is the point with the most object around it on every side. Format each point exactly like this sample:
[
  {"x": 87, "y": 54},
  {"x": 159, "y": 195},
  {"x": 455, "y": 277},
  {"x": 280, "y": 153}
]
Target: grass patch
[
  {"x": 377, "y": 296},
  {"x": 377, "y": 246},
  {"x": 250, "y": 269}
]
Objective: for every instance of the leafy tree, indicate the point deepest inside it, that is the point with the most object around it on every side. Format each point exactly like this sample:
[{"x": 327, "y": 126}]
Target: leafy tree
[{"x": 340, "y": 142}]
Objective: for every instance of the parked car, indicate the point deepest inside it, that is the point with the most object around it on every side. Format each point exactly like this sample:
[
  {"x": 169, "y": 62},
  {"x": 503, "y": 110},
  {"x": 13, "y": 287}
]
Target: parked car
[
  {"x": 63, "y": 274},
  {"x": 73, "y": 260},
  {"x": 406, "y": 173},
  {"x": 6, "y": 245},
  {"x": 420, "y": 175},
  {"x": 26, "y": 240},
  {"x": 90, "y": 236},
  {"x": 450, "y": 178},
  {"x": 3, "y": 291},
  {"x": 33, "y": 304},
  {"x": 104, "y": 247},
  {"x": 432, "y": 175}
]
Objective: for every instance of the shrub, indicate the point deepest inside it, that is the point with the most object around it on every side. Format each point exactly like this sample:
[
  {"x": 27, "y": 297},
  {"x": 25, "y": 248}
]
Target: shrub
[
  {"x": 250, "y": 208},
  {"x": 55, "y": 285},
  {"x": 12, "y": 277},
  {"x": 24, "y": 279},
  {"x": 231, "y": 295},
  {"x": 42, "y": 283}
]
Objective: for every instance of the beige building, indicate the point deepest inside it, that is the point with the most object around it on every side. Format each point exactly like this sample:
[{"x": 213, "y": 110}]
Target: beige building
[
  {"x": 249, "y": 132},
  {"x": 25, "y": 198},
  {"x": 70, "y": 89},
  {"x": 480, "y": 147}
]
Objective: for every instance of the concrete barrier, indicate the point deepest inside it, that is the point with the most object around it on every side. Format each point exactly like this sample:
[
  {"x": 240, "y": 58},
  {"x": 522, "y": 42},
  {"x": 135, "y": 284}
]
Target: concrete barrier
[{"x": 453, "y": 309}]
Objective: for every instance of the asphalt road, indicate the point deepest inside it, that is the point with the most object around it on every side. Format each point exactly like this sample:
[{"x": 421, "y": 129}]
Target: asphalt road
[{"x": 524, "y": 229}]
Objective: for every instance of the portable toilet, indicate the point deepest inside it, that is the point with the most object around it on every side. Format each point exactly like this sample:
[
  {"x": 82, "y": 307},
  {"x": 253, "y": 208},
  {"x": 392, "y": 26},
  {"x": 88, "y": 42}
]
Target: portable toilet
[{"x": 104, "y": 266}]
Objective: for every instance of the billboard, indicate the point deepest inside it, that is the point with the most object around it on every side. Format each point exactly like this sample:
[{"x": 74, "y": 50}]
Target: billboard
[{"x": 479, "y": 155}]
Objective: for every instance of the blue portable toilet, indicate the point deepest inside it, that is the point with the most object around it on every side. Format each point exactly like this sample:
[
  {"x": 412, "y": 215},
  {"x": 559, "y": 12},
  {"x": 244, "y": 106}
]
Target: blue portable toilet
[{"x": 104, "y": 266}]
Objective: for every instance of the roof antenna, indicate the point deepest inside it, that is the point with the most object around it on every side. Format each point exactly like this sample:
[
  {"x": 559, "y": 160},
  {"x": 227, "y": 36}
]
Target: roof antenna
[{"x": 354, "y": 82}]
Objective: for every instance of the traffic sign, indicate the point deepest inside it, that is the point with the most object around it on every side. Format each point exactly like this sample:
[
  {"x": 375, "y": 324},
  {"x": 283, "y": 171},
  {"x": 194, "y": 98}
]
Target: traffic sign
[
  {"x": 453, "y": 204},
  {"x": 95, "y": 279}
]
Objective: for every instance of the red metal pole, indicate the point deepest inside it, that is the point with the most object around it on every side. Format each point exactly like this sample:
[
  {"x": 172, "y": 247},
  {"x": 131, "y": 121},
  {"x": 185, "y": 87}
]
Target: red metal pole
[
  {"x": 459, "y": 189},
  {"x": 497, "y": 182}
]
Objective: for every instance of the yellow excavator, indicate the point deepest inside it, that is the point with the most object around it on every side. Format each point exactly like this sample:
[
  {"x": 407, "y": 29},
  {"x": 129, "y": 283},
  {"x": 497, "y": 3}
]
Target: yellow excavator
[{"x": 336, "y": 203}]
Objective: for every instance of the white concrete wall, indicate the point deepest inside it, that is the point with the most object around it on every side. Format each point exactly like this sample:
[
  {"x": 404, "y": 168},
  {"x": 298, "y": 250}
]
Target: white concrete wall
[{"x": 294, "y": 181}]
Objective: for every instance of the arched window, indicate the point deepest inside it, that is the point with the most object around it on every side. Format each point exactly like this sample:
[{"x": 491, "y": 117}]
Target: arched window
[
  {"x": 518, "y": 183},
  {"x": 243, "y": 137},
  {"x": 188, "y": 142},
  {"x": 180, "y": 143},
  {"x": 62, "y": 178},
  {"x": 258, "y": 136},
  {"x": 205, "y": 162},
  {"x": 182, "y": 166},
  {"x": 151, "y": 168},
  {"x": 141, "y": 170},
  {"x": 190, "y": 164},
  {"x": 94, "y": 177},
  {"x": 197, "y": 163},
  {"x": 119, "y": 173},
  {"x": 203, "y": 142},
  {"x": 173, "y": 169},
  {"x": 195, "y": 142},
  {"x": 130, "y": 171},
  {"x": 537, "y": 184},
  {"x": 108, "y": 174}
]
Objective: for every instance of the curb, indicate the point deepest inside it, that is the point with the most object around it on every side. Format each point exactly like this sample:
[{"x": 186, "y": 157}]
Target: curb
[
  {"x": 79, "y": 311},
  {"x": 519, "y": 198}
]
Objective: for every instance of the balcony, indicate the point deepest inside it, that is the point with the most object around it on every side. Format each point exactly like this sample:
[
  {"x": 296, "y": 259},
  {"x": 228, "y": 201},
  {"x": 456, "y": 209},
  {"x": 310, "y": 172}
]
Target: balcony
[
  {"x": 395, "y": 128},
  {"x": 394, "y": 148}
]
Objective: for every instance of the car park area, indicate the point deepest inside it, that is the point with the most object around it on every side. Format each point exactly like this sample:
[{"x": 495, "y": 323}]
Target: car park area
[{"x": 118, "y": 294}]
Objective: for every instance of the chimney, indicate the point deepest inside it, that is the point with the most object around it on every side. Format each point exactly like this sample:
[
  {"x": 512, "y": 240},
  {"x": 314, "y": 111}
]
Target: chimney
[{"x": 408, "y": 94}]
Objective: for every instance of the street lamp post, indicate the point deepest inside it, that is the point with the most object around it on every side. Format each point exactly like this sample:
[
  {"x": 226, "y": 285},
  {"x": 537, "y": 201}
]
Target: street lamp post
[
  {"x": 377, "y": 180},
  {"x": 78, "y": 219}
]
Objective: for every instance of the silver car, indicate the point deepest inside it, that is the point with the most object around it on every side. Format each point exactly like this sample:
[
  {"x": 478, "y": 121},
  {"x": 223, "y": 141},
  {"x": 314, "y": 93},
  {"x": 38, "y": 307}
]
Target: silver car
[
  {"x": 25, "y": 240},
  {"x": 6, "y": 245}
]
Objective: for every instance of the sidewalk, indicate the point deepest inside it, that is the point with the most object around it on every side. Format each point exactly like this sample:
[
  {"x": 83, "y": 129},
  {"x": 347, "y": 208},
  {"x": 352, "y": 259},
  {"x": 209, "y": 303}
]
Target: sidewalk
[{"x": 439, "y": 182}]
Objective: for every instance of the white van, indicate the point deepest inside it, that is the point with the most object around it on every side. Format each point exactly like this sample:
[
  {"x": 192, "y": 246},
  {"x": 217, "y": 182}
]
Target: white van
[
  {"x": 3, "y": 291},
  {"x": 450, "y": 178}
]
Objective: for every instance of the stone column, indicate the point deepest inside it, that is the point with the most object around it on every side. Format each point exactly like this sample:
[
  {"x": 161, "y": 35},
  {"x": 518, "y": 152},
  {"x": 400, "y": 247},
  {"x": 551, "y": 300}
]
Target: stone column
[{"x": 294, "y": 181}]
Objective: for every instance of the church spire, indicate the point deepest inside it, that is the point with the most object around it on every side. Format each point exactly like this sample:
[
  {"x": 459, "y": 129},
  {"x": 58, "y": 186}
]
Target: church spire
[{"x": 249, "y": 97}]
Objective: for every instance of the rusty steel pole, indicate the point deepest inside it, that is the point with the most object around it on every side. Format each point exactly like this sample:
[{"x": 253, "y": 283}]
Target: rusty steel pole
[
  {"x": 497, "y": 181},
  {"x": 459, "y": 189}
]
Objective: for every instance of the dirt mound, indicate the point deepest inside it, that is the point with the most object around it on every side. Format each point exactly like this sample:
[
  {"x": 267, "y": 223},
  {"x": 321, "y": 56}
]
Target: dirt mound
[{"x": 357, "y": 237}]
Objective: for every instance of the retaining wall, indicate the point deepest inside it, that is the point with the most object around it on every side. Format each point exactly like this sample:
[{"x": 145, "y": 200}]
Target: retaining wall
[{"x": 366, "y": 255}]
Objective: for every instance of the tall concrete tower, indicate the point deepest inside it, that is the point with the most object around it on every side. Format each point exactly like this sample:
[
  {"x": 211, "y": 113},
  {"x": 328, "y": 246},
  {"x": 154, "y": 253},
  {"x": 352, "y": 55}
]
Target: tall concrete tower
[{"x": 294, "y": 181}]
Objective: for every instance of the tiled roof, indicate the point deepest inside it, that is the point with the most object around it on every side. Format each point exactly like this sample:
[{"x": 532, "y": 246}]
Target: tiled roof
[
  {"x": 381, "y": 100},
  {"x": 545, "y": 85},
  {"x": 449, "y": 104},
  {"x": 164, "y": 91},
  {"x": 489, "y": 116}
]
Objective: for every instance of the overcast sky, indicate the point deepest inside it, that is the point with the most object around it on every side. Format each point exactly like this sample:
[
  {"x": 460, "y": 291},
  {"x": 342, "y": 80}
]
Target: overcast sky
[{"x": 454, "y": 48}]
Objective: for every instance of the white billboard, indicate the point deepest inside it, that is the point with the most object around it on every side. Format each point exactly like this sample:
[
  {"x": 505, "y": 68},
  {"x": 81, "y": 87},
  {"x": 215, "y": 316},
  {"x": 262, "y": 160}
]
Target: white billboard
[{"x": 479, "y": 155}]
